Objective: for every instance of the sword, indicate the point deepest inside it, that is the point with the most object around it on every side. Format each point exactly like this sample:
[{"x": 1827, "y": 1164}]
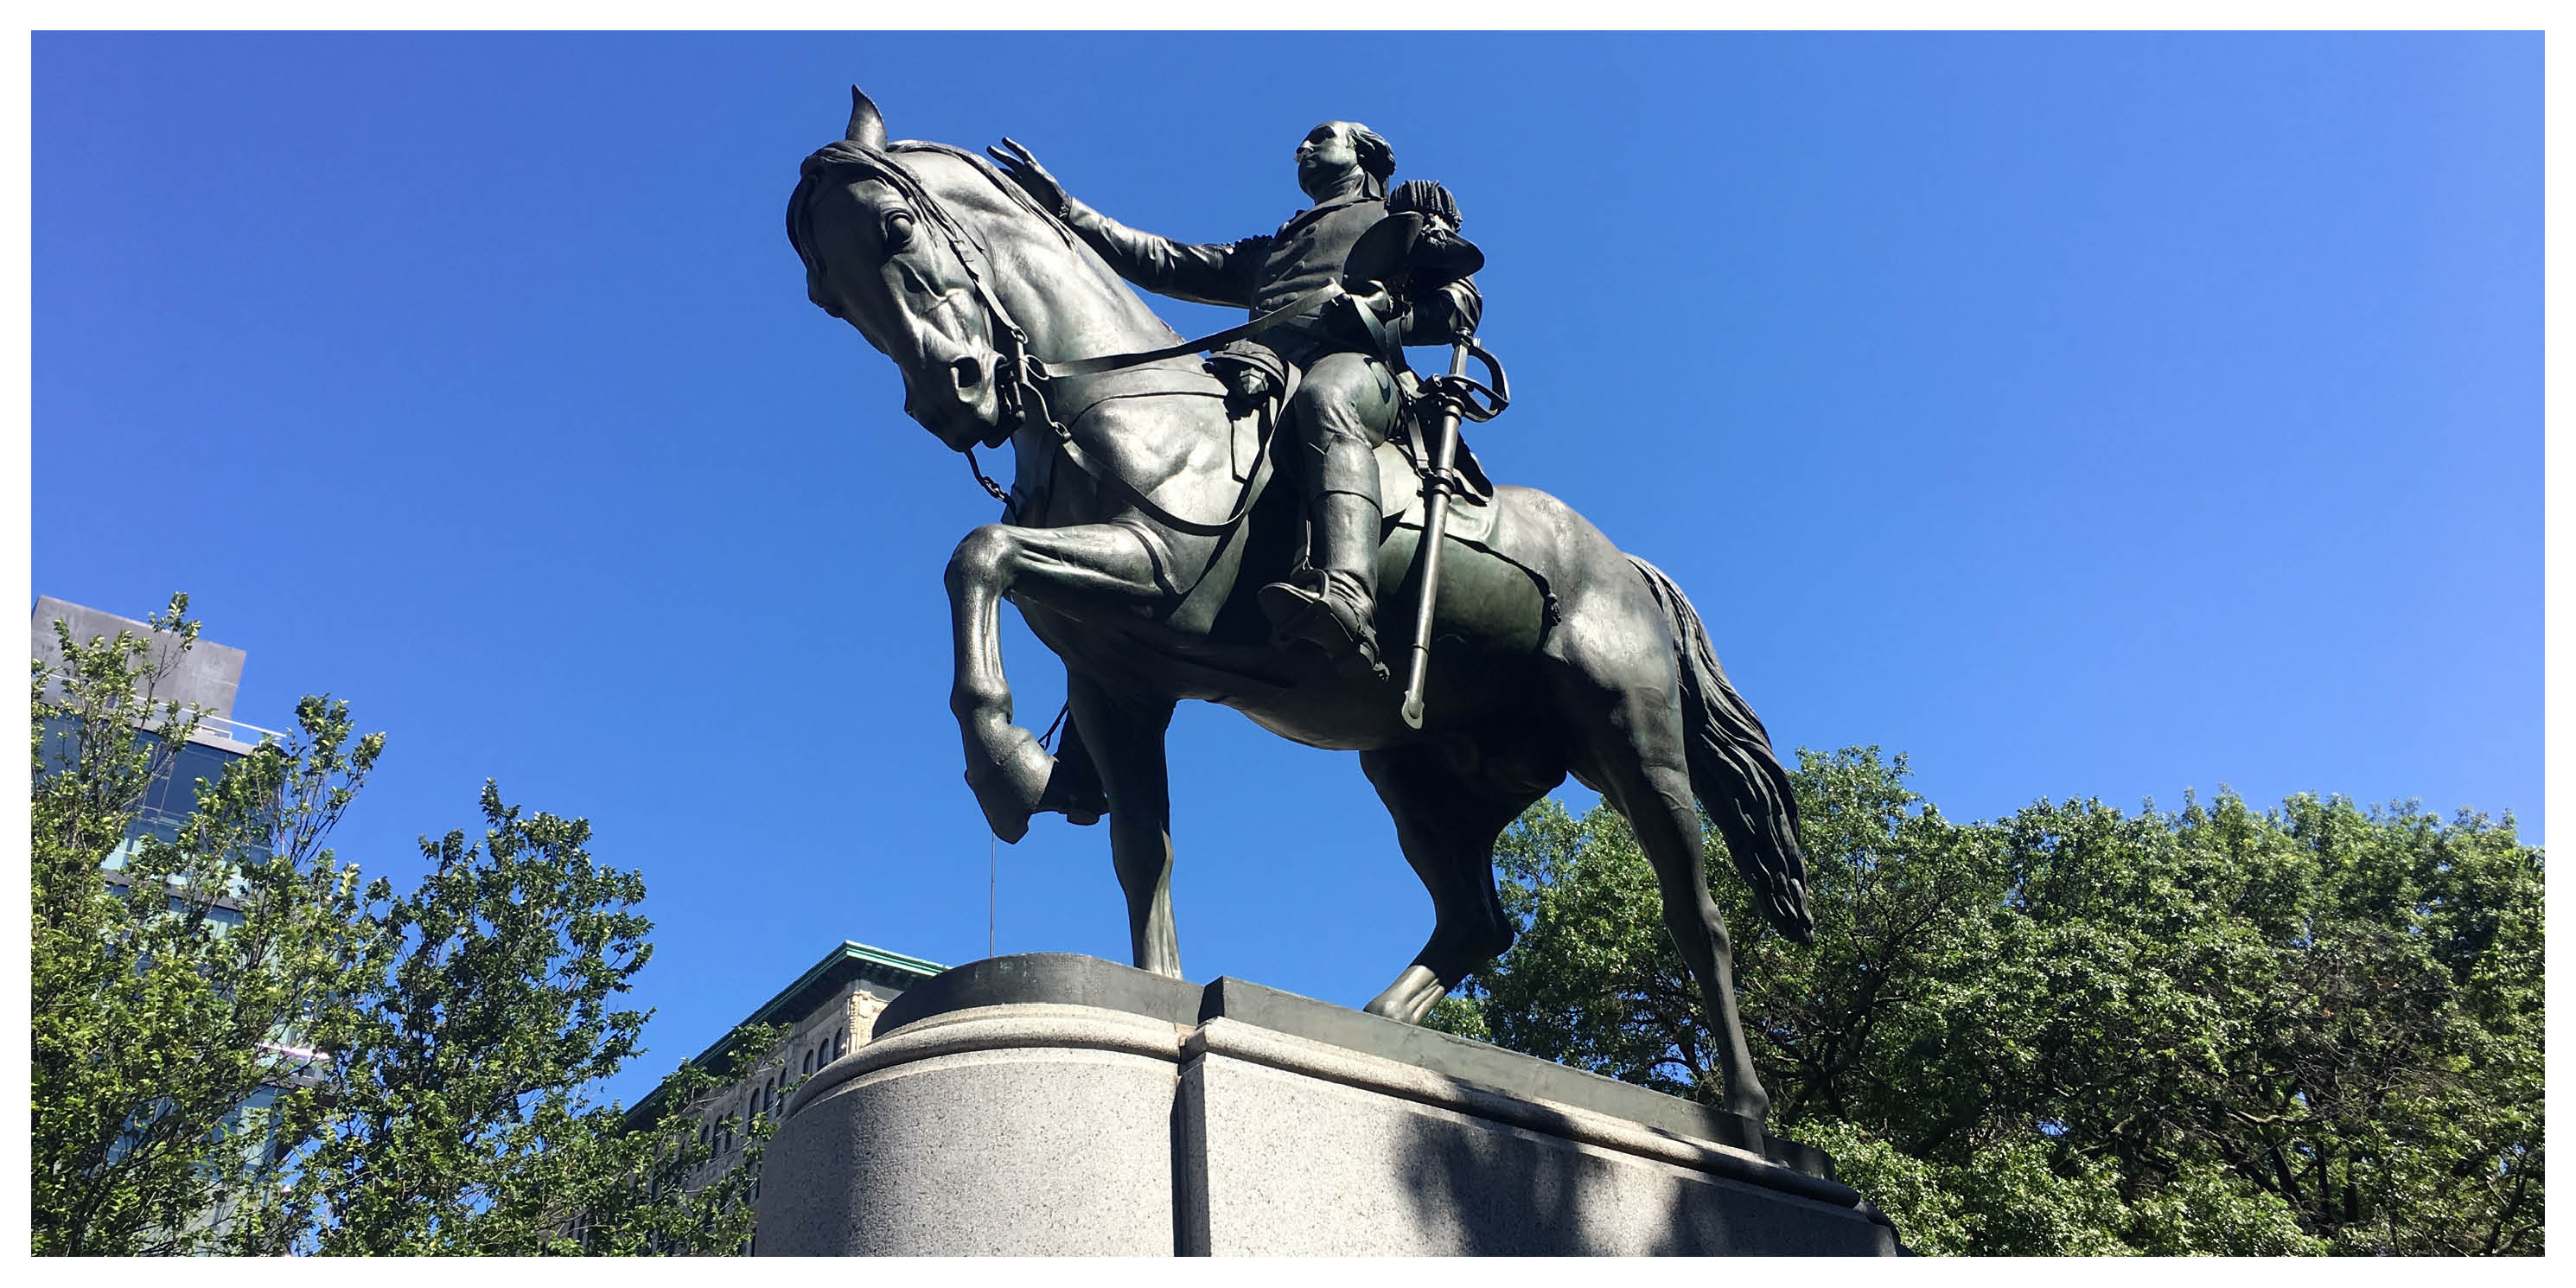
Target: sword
[{"x": 1439, "y": 483}]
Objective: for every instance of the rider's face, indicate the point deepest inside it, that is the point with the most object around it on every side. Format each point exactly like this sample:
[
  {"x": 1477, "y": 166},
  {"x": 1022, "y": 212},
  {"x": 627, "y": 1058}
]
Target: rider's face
[{"x": 1326, "y": 159}]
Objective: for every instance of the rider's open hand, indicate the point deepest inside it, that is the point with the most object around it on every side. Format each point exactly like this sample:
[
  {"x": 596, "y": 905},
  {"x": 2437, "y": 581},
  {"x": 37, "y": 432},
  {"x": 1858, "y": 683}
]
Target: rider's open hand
[{"x": 1022, "y": 165}]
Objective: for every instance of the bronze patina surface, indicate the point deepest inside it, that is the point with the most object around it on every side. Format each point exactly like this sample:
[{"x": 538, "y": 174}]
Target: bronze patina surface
[{"x": 1218, "y": 530}]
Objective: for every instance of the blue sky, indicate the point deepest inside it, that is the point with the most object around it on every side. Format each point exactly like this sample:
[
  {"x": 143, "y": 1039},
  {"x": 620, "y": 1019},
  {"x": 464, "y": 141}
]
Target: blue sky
[{"x": 2090, "y": 415}]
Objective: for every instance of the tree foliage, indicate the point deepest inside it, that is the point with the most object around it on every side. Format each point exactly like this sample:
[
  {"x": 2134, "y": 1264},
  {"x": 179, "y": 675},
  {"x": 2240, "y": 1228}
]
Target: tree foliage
[
  {"x": 236, "y": 1048},
  {"x": 2315, "y": 1029},
  {"x": 462, "y": 1120},
  {"x": 154, "y": 1020}
]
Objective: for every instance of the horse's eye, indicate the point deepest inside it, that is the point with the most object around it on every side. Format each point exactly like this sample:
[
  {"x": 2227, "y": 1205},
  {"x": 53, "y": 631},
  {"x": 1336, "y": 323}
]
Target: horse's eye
[{"x": 898, "y": 231}]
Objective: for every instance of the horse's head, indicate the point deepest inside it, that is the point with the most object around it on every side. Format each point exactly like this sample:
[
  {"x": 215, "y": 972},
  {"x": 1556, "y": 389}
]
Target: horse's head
[{"x": 885, "y": 252}]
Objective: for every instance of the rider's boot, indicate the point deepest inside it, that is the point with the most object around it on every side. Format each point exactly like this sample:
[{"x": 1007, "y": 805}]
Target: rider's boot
[{"x": 1330, "y": 604}]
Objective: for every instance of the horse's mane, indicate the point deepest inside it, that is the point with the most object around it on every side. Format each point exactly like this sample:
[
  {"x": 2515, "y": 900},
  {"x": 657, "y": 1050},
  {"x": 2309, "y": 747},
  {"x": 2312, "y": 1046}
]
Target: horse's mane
[
  {"x": 848, "y": 155},
  {"x": 993, "y": 174}
]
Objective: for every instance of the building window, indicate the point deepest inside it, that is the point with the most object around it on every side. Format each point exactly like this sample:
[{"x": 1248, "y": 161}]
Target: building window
[
  {"x": 809, "y": 1062},
  {"x": 841, "y": 1042}
]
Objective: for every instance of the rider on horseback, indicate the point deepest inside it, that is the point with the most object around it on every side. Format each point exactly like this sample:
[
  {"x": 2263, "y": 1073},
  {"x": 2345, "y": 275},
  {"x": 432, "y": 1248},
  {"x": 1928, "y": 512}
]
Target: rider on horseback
[{"x": 1348, "y": 399}]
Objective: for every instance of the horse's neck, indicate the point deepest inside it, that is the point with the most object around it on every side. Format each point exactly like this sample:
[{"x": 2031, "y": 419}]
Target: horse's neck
[
  {"x": 1071, "y": 304},
  {"x": 1054, "y": 286}
]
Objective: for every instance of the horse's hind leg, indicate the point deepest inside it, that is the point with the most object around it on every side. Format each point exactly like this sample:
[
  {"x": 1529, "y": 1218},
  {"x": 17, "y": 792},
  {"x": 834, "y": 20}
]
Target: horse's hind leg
[
  {"x": 1447, "y": 821},
  {"x": 1620, "y": 693},
  {"x": 1125, "y": 737}
]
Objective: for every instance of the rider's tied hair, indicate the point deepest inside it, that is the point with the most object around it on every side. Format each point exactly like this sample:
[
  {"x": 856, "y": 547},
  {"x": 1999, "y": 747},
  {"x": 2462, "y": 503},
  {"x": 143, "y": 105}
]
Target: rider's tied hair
[{"x": 1377, "y": 157}]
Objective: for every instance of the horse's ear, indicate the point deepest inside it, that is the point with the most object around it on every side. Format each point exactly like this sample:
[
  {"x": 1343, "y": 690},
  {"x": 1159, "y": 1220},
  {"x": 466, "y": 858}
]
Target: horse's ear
[{"x": 867, "y": 125}]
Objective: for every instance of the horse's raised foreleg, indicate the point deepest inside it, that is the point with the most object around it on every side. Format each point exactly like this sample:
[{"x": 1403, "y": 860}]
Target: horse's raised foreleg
[
  {"x": 1447, "y": 821},
  {"x": 1091, "y": 566},
  {"x": 1125, "y": 736}
]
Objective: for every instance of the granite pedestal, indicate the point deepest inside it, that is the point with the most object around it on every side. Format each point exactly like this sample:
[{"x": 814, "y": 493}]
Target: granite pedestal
[{"x": 1054, "y": 1104}]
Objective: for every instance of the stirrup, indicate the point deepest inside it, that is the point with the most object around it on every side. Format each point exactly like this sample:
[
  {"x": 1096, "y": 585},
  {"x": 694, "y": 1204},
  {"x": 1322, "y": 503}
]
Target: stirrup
[{"x": 1302, "y": 616}]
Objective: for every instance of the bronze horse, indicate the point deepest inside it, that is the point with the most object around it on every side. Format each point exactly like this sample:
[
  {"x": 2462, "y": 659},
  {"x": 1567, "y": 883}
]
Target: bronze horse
[{"x": 1140, "y": 524}]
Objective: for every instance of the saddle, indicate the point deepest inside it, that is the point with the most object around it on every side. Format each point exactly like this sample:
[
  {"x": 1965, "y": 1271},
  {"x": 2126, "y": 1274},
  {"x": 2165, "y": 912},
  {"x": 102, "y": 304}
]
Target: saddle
[{"x": 1401, "y": 458}]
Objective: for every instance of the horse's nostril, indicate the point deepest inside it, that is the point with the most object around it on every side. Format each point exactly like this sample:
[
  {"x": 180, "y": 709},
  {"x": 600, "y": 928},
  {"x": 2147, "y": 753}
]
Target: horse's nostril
[{"x": 968, "y": 372}]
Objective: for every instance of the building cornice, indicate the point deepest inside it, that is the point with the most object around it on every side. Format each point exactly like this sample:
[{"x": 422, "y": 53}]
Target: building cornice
[{"x": 850, "y": 962}]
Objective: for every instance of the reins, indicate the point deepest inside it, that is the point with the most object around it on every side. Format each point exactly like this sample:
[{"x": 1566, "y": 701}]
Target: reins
[
  {"x": 1135, "y": 495},
  {"x": 1024, "y": 390},
  {"x": 1288, "y": 312}
]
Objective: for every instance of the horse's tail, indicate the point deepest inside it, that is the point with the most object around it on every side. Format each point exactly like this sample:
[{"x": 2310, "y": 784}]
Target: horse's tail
[{"x": 1733, "y": 771}]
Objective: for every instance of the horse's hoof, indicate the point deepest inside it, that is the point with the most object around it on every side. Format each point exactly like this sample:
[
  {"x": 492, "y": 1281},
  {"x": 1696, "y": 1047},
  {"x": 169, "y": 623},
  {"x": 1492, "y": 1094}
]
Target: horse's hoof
[
  {"x": 1007, "y": 824},
  {"x": 1754, "y": 1108},
  {"x": 1010, "y": 785},
  {"x": 1410, "y": 997}
]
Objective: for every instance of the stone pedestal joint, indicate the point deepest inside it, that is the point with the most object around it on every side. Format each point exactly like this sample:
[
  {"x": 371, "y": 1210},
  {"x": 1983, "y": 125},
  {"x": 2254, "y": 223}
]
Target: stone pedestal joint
[{"x": 1052, "y": 1104}]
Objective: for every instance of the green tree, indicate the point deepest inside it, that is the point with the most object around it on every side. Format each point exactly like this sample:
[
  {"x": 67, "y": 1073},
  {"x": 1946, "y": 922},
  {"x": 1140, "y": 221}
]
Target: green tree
[
  {"x": 236, "y": 1048},
  {"x": 463, "y": 1120},
  {"x": 2072, "y": 1031},
  {"x": 154, "y": 1020}
]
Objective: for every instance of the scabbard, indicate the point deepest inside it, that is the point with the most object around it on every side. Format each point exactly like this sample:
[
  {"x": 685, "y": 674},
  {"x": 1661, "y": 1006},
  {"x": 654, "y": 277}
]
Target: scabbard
[{"x": 1438, "y": 484}]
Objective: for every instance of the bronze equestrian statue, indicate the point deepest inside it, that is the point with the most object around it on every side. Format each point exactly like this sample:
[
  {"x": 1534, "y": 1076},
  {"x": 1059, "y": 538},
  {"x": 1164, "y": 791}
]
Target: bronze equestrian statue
[
  {"x": 1346, "y": 402},
  {"x": 1143, "y": 543}
]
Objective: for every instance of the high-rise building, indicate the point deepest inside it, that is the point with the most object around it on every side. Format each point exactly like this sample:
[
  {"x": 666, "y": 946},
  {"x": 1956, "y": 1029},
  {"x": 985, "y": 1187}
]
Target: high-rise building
[{"x": 205, "y": 678}]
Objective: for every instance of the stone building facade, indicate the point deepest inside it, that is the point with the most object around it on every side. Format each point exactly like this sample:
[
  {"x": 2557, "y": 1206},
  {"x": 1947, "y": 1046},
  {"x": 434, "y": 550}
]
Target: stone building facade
[{"x": 827, "y": 1011}]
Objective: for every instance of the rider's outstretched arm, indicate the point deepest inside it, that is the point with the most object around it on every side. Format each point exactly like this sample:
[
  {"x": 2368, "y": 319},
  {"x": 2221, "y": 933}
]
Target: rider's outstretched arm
[
  {"x": 1183, "y": 270},
  {"x": 1201, "y": 274}
]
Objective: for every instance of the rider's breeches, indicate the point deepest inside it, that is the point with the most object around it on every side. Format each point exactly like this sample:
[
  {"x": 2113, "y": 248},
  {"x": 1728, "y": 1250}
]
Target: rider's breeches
[{"x": 1344, "y": 408}]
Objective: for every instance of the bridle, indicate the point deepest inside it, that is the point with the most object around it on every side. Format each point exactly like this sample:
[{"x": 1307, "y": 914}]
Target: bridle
[
  {"x": 1021, "y": 378},
  {"x": 1014, "y": 378}
]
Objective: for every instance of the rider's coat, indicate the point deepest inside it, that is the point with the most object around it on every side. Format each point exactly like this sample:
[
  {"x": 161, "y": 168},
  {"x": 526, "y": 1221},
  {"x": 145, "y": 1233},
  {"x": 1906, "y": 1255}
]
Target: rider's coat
[{"x": 1263, "y": 273}]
